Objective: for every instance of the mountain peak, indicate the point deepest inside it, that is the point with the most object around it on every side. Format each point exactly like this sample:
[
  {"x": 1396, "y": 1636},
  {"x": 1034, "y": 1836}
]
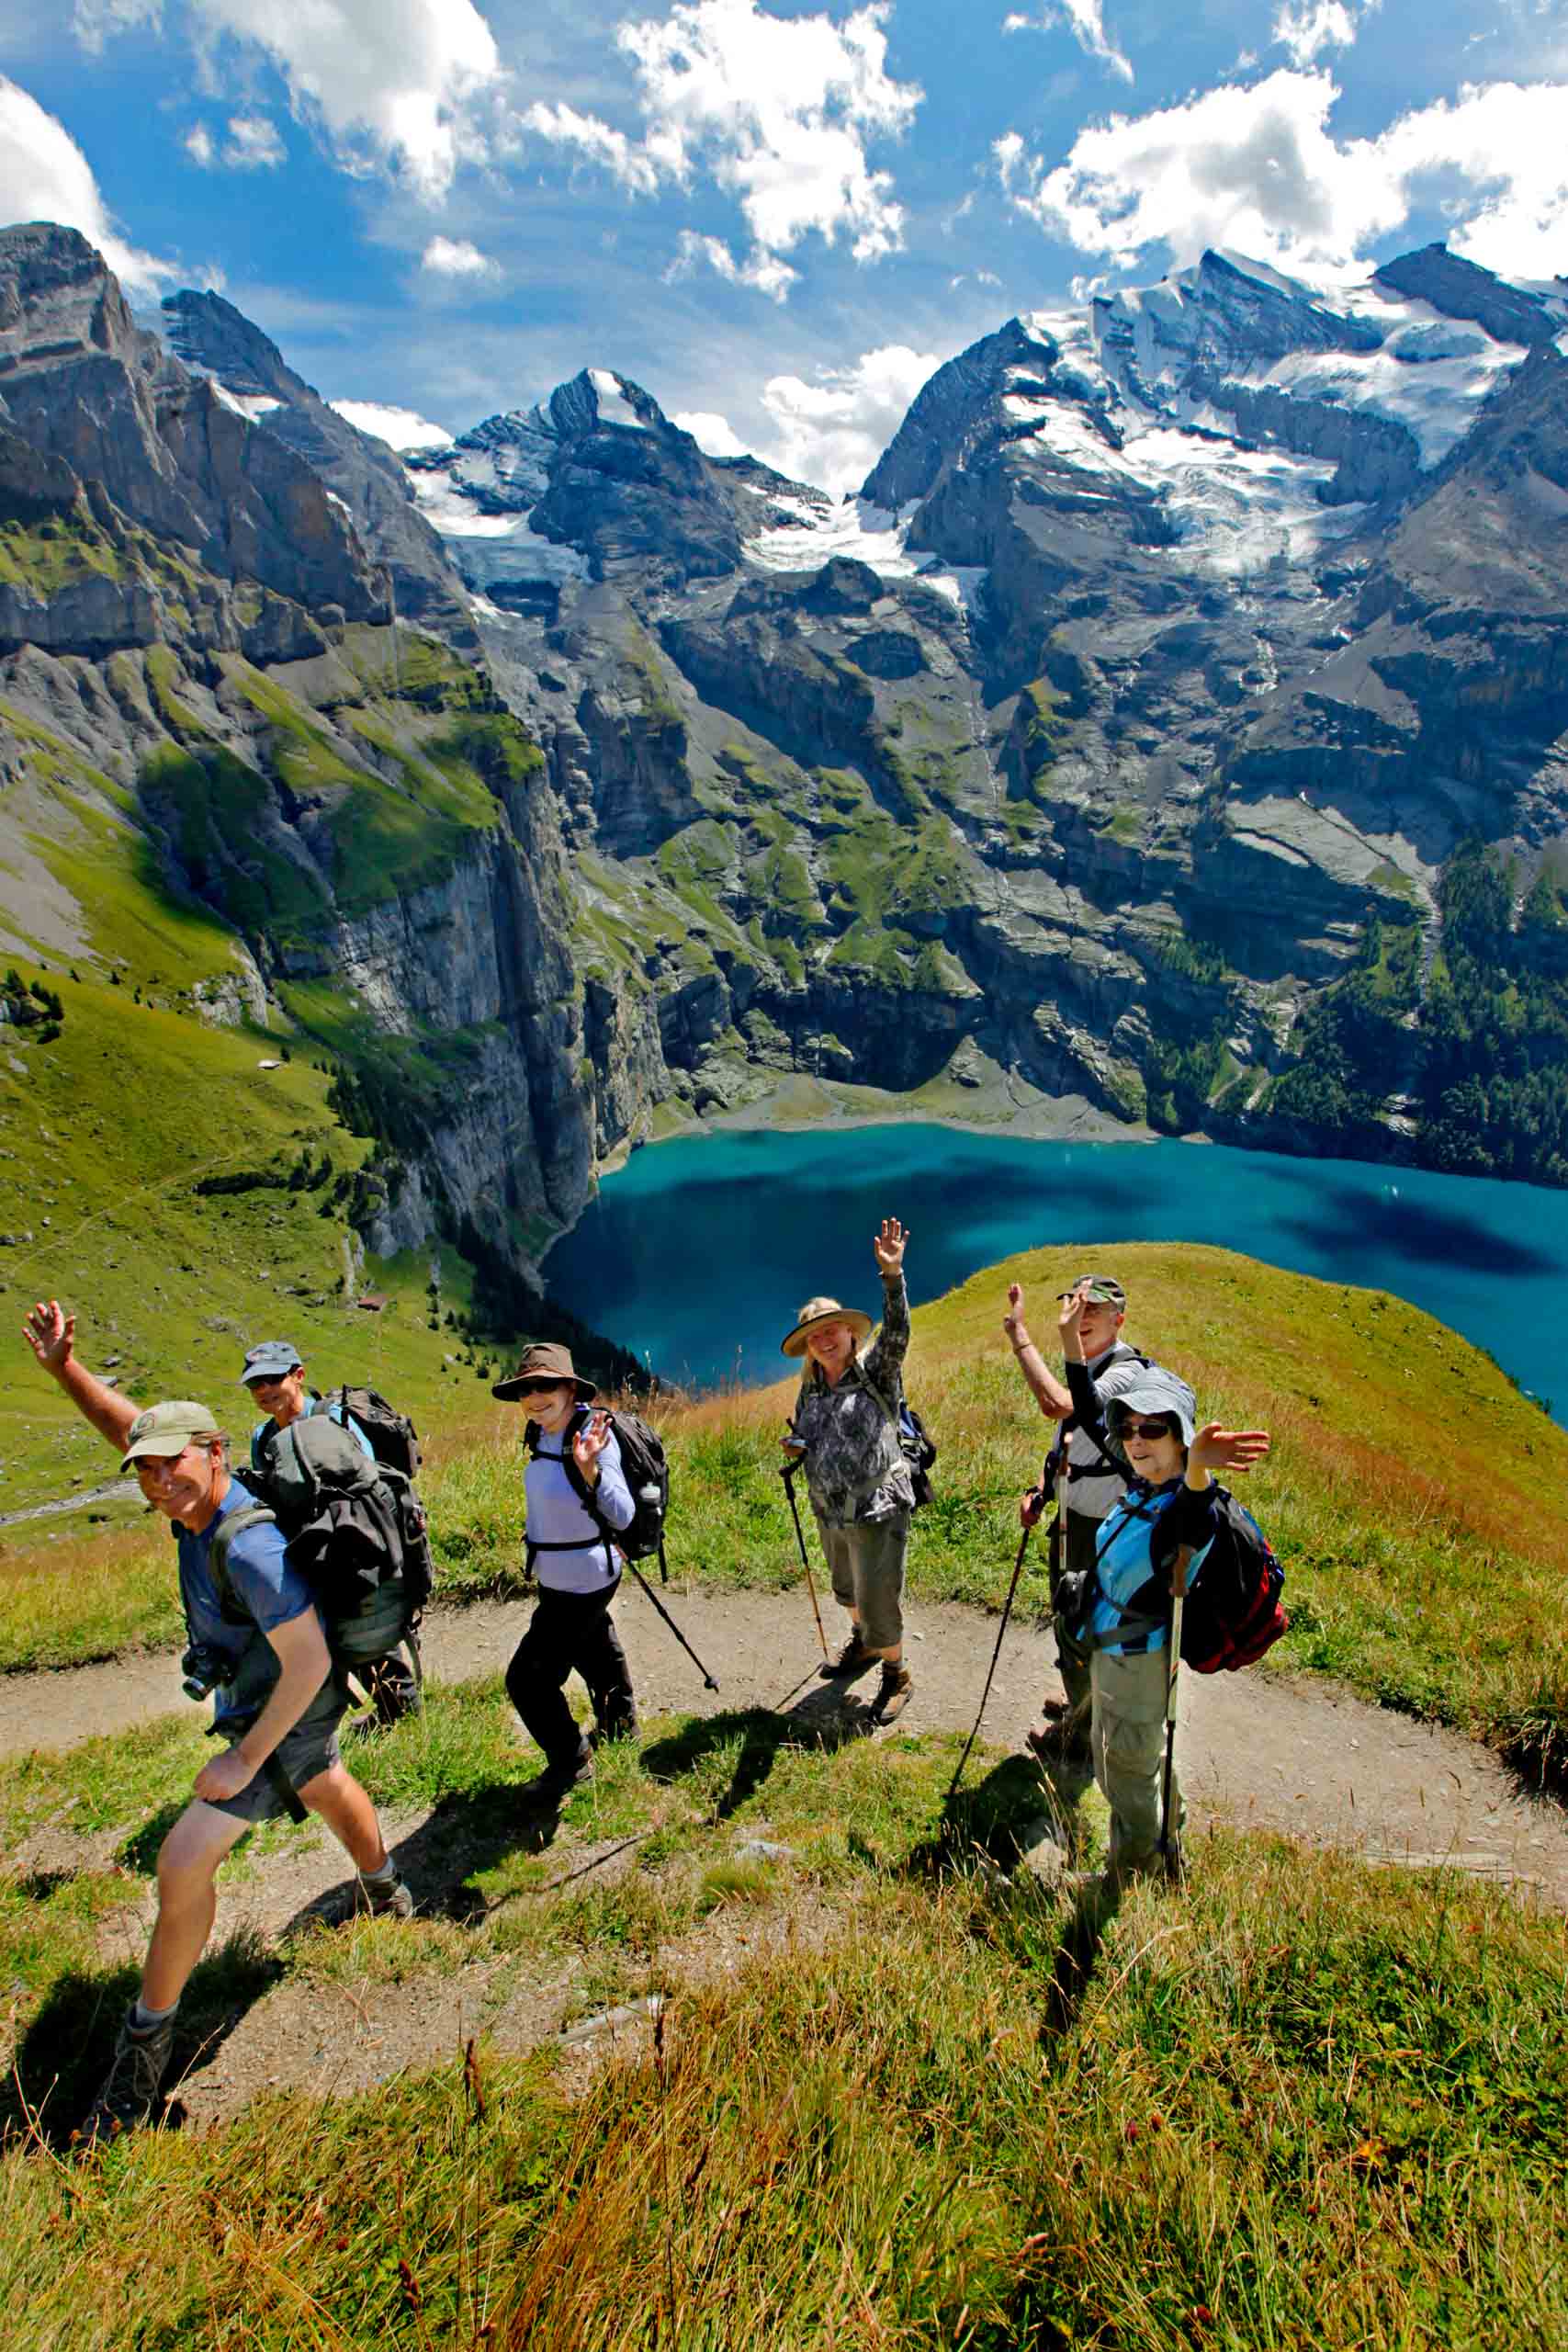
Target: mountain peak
[
  {"x": 212, "y": 337},
  {"x": 1462, "y": 289},
  {"x": 57, "y": 293}
]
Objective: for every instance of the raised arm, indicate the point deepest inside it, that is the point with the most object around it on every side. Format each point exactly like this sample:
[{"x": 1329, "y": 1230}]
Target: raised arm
[
  {"x": 1044, "y": 1387},
  {"x": 887, "y": 1352},
  {"x": 51, "y": 1335}
]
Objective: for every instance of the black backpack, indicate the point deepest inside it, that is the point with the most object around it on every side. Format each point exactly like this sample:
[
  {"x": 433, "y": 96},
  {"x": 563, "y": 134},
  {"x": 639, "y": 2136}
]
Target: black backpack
[
  {"x": 356, "y": 1532},
  {"x": 1233, "y": 1614},
  {"x": 394, "y": 1441},
  {"x": 646, "y": 1468}
]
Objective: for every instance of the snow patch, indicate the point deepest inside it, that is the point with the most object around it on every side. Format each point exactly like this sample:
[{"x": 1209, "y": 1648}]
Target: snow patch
[
  {"x": 445, "y": 506},
  {"x": 613, "y": 406},
  {"x": 854, "y": 528},
  {"x": 250, "y": 405}
]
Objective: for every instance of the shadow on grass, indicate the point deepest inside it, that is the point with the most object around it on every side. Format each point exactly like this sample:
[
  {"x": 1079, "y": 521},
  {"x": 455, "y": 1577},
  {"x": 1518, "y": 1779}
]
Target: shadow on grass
[
  {"x": 66, "y": 2052},
  {"x": 1022, "y": 1827},
  {"x": 450, "y": 1851},
  {"x": 138, "y": 1853},
  {"x": 824, "y": 1719}
]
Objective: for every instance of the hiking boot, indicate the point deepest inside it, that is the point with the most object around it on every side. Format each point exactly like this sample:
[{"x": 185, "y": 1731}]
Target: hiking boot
[
  {"x": 892, "y": 1693},
  {"x": 557, "y": 1781},
  {"x": 1065, "y": 1741},
  {"x": 619, "y": 1727},
  {"x": 393, "y": 1902},
  {"x": 131, "y": 2088},
  {"x": 852, "y": 1660}
]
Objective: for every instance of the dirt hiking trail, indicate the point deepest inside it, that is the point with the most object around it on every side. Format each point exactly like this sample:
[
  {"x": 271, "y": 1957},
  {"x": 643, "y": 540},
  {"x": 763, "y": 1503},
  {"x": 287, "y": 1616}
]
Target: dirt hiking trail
[{"x": 1291, "y": 1753}]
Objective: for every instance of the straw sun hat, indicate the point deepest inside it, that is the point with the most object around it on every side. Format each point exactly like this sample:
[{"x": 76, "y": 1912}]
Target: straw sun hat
[{"x": 817, "y": 1311}]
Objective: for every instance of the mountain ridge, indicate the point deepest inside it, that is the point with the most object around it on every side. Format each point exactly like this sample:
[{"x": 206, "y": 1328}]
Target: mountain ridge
[{"x": 1128, "y": 736}]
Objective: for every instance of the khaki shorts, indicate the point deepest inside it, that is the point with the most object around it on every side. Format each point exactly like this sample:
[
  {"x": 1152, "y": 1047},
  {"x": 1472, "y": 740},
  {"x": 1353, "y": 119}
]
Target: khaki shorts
[
  {"x": 301, "y": 1755},
  {"x": 866, "y": 1562}
]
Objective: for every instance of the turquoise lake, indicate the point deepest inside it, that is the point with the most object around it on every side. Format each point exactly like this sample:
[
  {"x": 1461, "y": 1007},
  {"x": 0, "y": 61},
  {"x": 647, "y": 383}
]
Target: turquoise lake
[{"x": 697, "y": 1252}]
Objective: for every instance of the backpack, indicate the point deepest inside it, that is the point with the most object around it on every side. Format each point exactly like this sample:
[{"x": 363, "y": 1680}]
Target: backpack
[
  {"x": 646, "y": 1471},
  {"x": 357, "y": 1534},
  {"x": 1228, "y": 1619},
  {"x": 1233, "y": 1614},
  {"x": 394, "y": 1441}
]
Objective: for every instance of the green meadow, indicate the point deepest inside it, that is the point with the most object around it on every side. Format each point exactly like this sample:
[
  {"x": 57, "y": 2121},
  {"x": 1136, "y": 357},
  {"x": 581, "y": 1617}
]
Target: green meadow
[{"x": 894, "y": 2089}]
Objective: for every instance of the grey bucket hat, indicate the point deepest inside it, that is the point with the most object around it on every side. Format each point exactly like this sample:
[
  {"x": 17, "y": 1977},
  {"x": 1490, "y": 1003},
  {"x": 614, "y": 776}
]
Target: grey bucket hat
[{"x": 1158, "y": 1391}]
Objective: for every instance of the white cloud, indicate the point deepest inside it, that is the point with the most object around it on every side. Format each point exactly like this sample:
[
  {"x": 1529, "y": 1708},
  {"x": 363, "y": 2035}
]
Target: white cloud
[
  {"x": 45, "y": 176},
  {"x": 833, "y": 431},
  {"x": 397, "y": 82},
  {"x": 96, "y": 21},
  {"x": 455, "y": 257},
  {"x": 1315, "y": 25},
  {"x": 253, "y": 144},
  {"x": 713, "y": 434},
  {"x": 763, "y": 270},
  {"x": 401, "y": 428},
  {"x": 777, "y": 110},
  {"x": 1258, "y": 167},
  {"x": 1086, "y": 20},
  {"x": 199, "y": 145},
  {"x": 566, "y": 128}
]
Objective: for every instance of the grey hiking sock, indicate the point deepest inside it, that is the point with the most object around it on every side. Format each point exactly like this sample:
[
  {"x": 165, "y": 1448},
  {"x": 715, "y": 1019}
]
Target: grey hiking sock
[
  {"x": 385, "y": 1876},
  {"x": 143, "y": 2020}
]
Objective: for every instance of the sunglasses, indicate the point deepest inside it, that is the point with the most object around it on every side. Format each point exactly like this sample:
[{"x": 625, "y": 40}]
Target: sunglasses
[
  {"x": 543, "y": 1387},
  {"x": 1133, "y": 1427}
]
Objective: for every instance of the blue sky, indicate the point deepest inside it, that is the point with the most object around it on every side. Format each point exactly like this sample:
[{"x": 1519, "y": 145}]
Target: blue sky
[{"x": 779, "y": 217}]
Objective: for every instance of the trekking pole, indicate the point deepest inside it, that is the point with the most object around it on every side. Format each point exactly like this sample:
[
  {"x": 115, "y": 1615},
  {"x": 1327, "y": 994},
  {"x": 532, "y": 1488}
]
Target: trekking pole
[
  {"x": 679, "y": 1636},
  {"x": 1178, "y": 1594},
  {"x": 1001, "y": 1629},
  {"x": 787, "y": 1475}
]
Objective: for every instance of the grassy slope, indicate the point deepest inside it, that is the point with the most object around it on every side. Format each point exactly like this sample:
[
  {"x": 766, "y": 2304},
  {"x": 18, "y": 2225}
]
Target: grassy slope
[
  {"x": 1424, "y": 1546},
  {"x": 106, "y": 1130},
  {"x": 109, "y": 1129},
  {"x": 1304, "y": 2105}
]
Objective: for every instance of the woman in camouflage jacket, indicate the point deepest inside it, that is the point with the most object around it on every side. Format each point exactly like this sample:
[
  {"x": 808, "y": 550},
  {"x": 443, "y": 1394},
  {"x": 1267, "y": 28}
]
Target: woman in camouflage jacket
[{"x": 845, "y": 1430}]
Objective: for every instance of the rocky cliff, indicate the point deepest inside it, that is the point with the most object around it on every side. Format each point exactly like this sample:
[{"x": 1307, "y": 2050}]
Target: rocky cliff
[{"x": 1124, "y": 736}]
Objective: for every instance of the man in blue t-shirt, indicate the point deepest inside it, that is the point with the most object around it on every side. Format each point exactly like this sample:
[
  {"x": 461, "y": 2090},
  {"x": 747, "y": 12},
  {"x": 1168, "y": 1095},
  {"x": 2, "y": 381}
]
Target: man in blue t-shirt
[
  {"x": 277, "y": 1700},
  {"x": 275, "y": 1375}
]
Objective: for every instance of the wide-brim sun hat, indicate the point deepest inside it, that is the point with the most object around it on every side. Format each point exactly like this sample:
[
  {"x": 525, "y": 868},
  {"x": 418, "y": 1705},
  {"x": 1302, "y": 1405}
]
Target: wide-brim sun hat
[
  {"x": 1158, "y": 1391},
  {"x": 543, "y": 1361},
  {"x": 817, "y": 1311}
]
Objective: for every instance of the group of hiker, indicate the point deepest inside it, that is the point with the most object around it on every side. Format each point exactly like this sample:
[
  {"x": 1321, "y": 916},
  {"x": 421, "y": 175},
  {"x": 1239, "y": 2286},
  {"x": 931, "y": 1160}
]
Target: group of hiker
[{"x": 1131, "y": 1473}]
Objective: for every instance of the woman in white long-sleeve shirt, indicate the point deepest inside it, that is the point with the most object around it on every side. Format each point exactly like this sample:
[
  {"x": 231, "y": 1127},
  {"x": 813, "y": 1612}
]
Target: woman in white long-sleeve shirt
[{"x": 577, "y": 1497}]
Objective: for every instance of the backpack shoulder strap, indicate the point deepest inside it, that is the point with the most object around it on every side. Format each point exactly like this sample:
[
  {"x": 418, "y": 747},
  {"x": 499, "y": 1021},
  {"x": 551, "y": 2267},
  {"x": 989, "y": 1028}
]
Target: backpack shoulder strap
[
  {"x": 886, "y": 1403},
  {"x": 234, "y": 1524}
]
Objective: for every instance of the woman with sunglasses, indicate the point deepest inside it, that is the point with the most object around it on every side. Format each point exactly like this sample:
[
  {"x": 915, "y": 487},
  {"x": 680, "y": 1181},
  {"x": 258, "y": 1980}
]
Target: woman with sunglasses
[
  {"x": 577, "y": 1496},
  {"x": 1166, "y": 1510}
]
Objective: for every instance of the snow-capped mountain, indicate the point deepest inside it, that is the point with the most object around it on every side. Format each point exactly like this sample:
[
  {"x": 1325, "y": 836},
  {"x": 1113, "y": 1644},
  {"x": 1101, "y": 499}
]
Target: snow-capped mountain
[{"x": 1168, "y": 661}]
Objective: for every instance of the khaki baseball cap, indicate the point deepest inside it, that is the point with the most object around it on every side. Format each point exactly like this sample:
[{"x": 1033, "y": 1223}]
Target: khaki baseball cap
[{"x": 167, "y": 1429}]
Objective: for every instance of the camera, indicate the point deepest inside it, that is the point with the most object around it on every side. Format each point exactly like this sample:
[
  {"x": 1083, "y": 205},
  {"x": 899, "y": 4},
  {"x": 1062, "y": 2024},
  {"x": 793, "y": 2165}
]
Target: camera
[{"x": 202, "y": 1669}]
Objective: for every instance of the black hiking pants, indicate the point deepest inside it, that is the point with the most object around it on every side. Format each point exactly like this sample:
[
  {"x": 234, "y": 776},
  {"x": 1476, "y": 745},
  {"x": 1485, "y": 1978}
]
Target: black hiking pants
[{"x": 567, "y": 1631}]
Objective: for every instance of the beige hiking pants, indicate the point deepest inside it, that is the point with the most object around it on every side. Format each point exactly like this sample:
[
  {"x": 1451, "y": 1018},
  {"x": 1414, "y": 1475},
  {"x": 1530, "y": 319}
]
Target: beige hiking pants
[{"x": 1127, "y": 1740}]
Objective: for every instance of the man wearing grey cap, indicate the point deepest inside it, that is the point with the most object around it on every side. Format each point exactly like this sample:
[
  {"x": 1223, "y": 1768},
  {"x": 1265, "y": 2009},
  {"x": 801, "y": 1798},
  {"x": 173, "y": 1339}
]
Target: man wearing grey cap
[
  {"x": 275, "y": 1375},
  {"x": 1090, "y": 1474},
  {"x": 276, "y": 1701}
]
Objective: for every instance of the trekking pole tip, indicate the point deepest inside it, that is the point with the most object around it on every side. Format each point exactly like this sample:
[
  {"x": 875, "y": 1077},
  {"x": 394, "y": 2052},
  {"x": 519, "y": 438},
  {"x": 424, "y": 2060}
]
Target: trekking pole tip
[{"x": 709, "y": 1683}]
